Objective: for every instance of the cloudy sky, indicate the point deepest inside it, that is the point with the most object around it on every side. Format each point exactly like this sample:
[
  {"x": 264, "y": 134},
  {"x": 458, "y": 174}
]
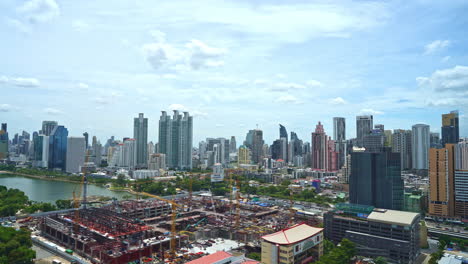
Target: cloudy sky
[{"x": 94, "y": 65}]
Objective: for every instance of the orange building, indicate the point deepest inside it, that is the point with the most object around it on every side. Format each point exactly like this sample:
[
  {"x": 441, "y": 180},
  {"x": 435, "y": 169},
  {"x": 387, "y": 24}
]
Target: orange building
[{"x": 442, "y": 181}]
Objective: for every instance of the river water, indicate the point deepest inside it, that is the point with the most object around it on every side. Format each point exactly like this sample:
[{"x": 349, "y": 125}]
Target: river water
[{"x": 49, "y": 191}]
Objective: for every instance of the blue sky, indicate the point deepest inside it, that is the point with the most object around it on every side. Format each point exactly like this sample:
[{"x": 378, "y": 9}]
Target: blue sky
[{"x": 94, "y": 65}]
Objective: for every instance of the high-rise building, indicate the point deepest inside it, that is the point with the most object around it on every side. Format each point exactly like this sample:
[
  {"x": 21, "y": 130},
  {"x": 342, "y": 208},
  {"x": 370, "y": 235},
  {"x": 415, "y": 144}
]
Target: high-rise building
[
  {"x": 157, "y": 161},
  {"x": 129, "y": 154},
  {"x": 257, "y": 145},
  {"x": 319, "y": 148},
  {"x": 388, "y": 138},
  {"x": 283, "y": 134},
  {"x": 4, "y": 127},
  {"x": 97, "y": 153},
  {"x": 364, "y": 126},
  {"x": 441, "y": 181},
  {"x": 376, "y": 180},
  {"x": 48, "y": 126},
  {"x": 4, "y": 141},
  {"x": 461, "y": 180},
  {"x": 401, "y": 143},
  {"x": 220, "y": 146},
  {"x": 374, "y": 141},
  {"x": 296, "y": 146},
  {"x": 86, "y": 136},
  {"x": 175, "y": 139},
  {"x": 232, "y": 145},
  {"x": 75, "y": 154},
  {"x": 332, "y": 155},
  {"x": 339, "y": 129},
  {"x": 420, "y": 146},
  {"x": 140, "y": 134},
  {"x": 450, "y": 128},
  {"x": 58, "y": 148},
  {"x": 380, "y": 127},
  {"x": 435, "y": 140}
]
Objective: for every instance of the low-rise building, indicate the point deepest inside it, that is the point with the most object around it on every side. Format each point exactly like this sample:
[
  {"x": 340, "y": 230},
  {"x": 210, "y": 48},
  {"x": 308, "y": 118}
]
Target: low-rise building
[
  {"x": 392, "y": 234},
  {"x": 297, "y": 244}
]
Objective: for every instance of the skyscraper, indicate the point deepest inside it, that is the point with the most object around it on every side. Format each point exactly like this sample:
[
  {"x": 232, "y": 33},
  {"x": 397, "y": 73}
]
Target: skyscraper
[
  {"x": 364, "y": 126},
  {"x": 222, "y": 149},
  {"x": 319, "y": 147},
  {"x": 257, "y": 145},
  {"x": 450, "y": 128},
  {"x": 339, "y": 129},
  {"x": 3, "y": 141},
  {"x": 284, "y": 135},
  {"x": 233, "y": 145},
  {"x": 140, "y": 133},
  {"x": 401, "y": 143},
  {"x": 129, "y": 154},
  {"x": 75, "y": 154},
  {"x": 175, "y": 139},
  {"x": 374, "y": 141},
  {"x": 48, "y": 126},
  {"x": 420, "y": 146},
  {"x": 58, "y": 148},
  {"x": 380, "y": 127},
  {"x": 461, "y": 180},
  {"x": 86, "y": 137},
  {"x": 441, "y": 181},
  {"x": 435, "y": 140},
  {"x": 243, "y": 155},
  {"x": 376, "y": 180}
]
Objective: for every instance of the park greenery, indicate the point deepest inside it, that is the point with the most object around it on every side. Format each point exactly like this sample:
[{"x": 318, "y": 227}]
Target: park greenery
[
  {"x": 341, "y": 254},
  {"x": 14, "y": 200},
  {"x": 15, "y": 246}
]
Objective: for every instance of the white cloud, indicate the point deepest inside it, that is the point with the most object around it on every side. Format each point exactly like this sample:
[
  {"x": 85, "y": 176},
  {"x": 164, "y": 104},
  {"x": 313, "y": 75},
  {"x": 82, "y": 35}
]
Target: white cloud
[
  {"x": 20, "y": 81},
  {"x": 5, "y": 108},
  {"x": 314, "y": 83},
  {"x": 369, "y": 111},
  {"x": 337, "y": 101},
  {"x": 156, "y": 54},
  {"x": 288, "y": 99},
  {"x": 52, "y": 111},
  {"x": 452, "y": 79},
  {"x": 435, "y": 46},
  {"x": 37, "y": 11},
  {"x": 179, "y": 107},
  {"x": 286, "y": 86},
  {"x": 82, "y": 86},
  {"x": 80, "y": 25},
  {"x": 446, "y": 58},
  {"x": 203, "y": 55}
]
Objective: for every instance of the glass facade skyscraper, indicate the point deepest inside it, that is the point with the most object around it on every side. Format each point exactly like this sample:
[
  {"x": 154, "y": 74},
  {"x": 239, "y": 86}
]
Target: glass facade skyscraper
[
  {"x": 376, "y": 180},
  {"x": 58, "y": 148},
  {"x": 140, "y": 134},
  {"x": 450, "y": 128}
]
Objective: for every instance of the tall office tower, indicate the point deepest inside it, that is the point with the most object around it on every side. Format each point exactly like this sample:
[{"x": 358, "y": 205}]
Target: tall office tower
[
  {"x": 450, "y": 128},
  {"x": 202, "y": 150},
  {"x": 38, "y": 147},
  {"x": 243, "y": 155},
  {"x": 222, "y": 149},
  {"x": 296, "y": 145},
  {"x": 461, "y": 180},
  {"x": 4, "y": 141},
  {"x": 175, "y": 139},
  {"x": 257, "y": 146},
  {"x": 25, "y": 135},
  {"x": 388, "y": 138},
  {"x": 140, "y": 133},
  {"x": 278, "y": 149},
  {"x": 319, "y": 148},
  {"x": 435, "y": 140},
  {"x": 364, "y": 126},
  {"x": 266, "y": 151},
  {"x": 86, "y": 136},
  {"x": 283, "y": 134},
  {"x": 58, "y": 148},
  {"x": 97, "y": 150},
  {"x": 75, "y": 154},
  {"x": 116, "y": 159},
  {"x": 129, "y": 154},
  {"x": 48, "y": 126},
  {"x": 420, "y": 146},
  {"x": 151, "y": 148},
  {"x": 401, "y": 143},
  {"x": 45, "y": 151},
  {"x": 339, "y": 128},
  {"x": 374, "y": 141},
  {"x": 233, "y": 145},
  {"x": 332, "y": 156},
  {"x": 441, "y": 181},
  {"x": 380, "y": 127},
  {"x": 157, "y": 161},
  {"x": 375, "y": 180}
]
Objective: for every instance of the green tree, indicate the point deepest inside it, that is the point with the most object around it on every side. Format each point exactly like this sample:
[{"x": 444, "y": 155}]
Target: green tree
[
  {"x": 120, "y": 180},
  {"x": 328, "y": 246},
  {"x": 255, "y": 256},
  {"x": 64, "y": 204},
  {"x": 15, "y": 246},
  {"x": 380, "y": 260}
]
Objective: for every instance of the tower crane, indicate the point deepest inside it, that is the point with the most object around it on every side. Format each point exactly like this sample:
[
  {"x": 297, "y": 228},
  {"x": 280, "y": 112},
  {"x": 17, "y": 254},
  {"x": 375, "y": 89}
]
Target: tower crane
[{"x": 174, "y": 206}]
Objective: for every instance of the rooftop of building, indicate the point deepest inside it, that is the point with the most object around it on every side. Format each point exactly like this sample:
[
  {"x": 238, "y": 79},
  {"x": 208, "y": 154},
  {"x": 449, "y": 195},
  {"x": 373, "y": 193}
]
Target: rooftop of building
[
  {"x": 212, "y": 258},
  {"x": 393, "y": 217},
  {"x": 291, "y": 235}
]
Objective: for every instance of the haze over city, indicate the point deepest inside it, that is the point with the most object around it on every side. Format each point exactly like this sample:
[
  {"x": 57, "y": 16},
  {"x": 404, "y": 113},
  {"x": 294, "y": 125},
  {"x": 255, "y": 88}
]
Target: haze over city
[{"x": 232, "y": 64}]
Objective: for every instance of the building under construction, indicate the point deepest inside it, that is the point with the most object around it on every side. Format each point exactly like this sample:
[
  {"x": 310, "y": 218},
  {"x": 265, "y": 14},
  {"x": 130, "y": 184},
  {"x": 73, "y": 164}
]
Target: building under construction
[{"x": 126, "y": 231}]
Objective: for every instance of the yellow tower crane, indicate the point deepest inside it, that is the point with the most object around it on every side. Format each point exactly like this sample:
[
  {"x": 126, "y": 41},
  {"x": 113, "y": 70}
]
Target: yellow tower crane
[{"x": 174, "y": 206}]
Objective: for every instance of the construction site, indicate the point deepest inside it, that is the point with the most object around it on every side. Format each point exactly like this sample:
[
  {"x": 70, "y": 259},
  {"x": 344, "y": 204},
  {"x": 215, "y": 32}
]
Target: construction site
[{"x": 161, "y": 230}]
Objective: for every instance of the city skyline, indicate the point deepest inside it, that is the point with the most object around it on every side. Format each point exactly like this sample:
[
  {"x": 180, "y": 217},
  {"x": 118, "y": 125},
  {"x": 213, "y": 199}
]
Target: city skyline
[{"x": 110, "y": 62}]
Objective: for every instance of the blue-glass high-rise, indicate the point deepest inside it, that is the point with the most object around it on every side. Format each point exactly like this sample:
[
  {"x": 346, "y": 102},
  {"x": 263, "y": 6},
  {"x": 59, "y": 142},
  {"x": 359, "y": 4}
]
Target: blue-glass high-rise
[{"x": 58, "y": 148}]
